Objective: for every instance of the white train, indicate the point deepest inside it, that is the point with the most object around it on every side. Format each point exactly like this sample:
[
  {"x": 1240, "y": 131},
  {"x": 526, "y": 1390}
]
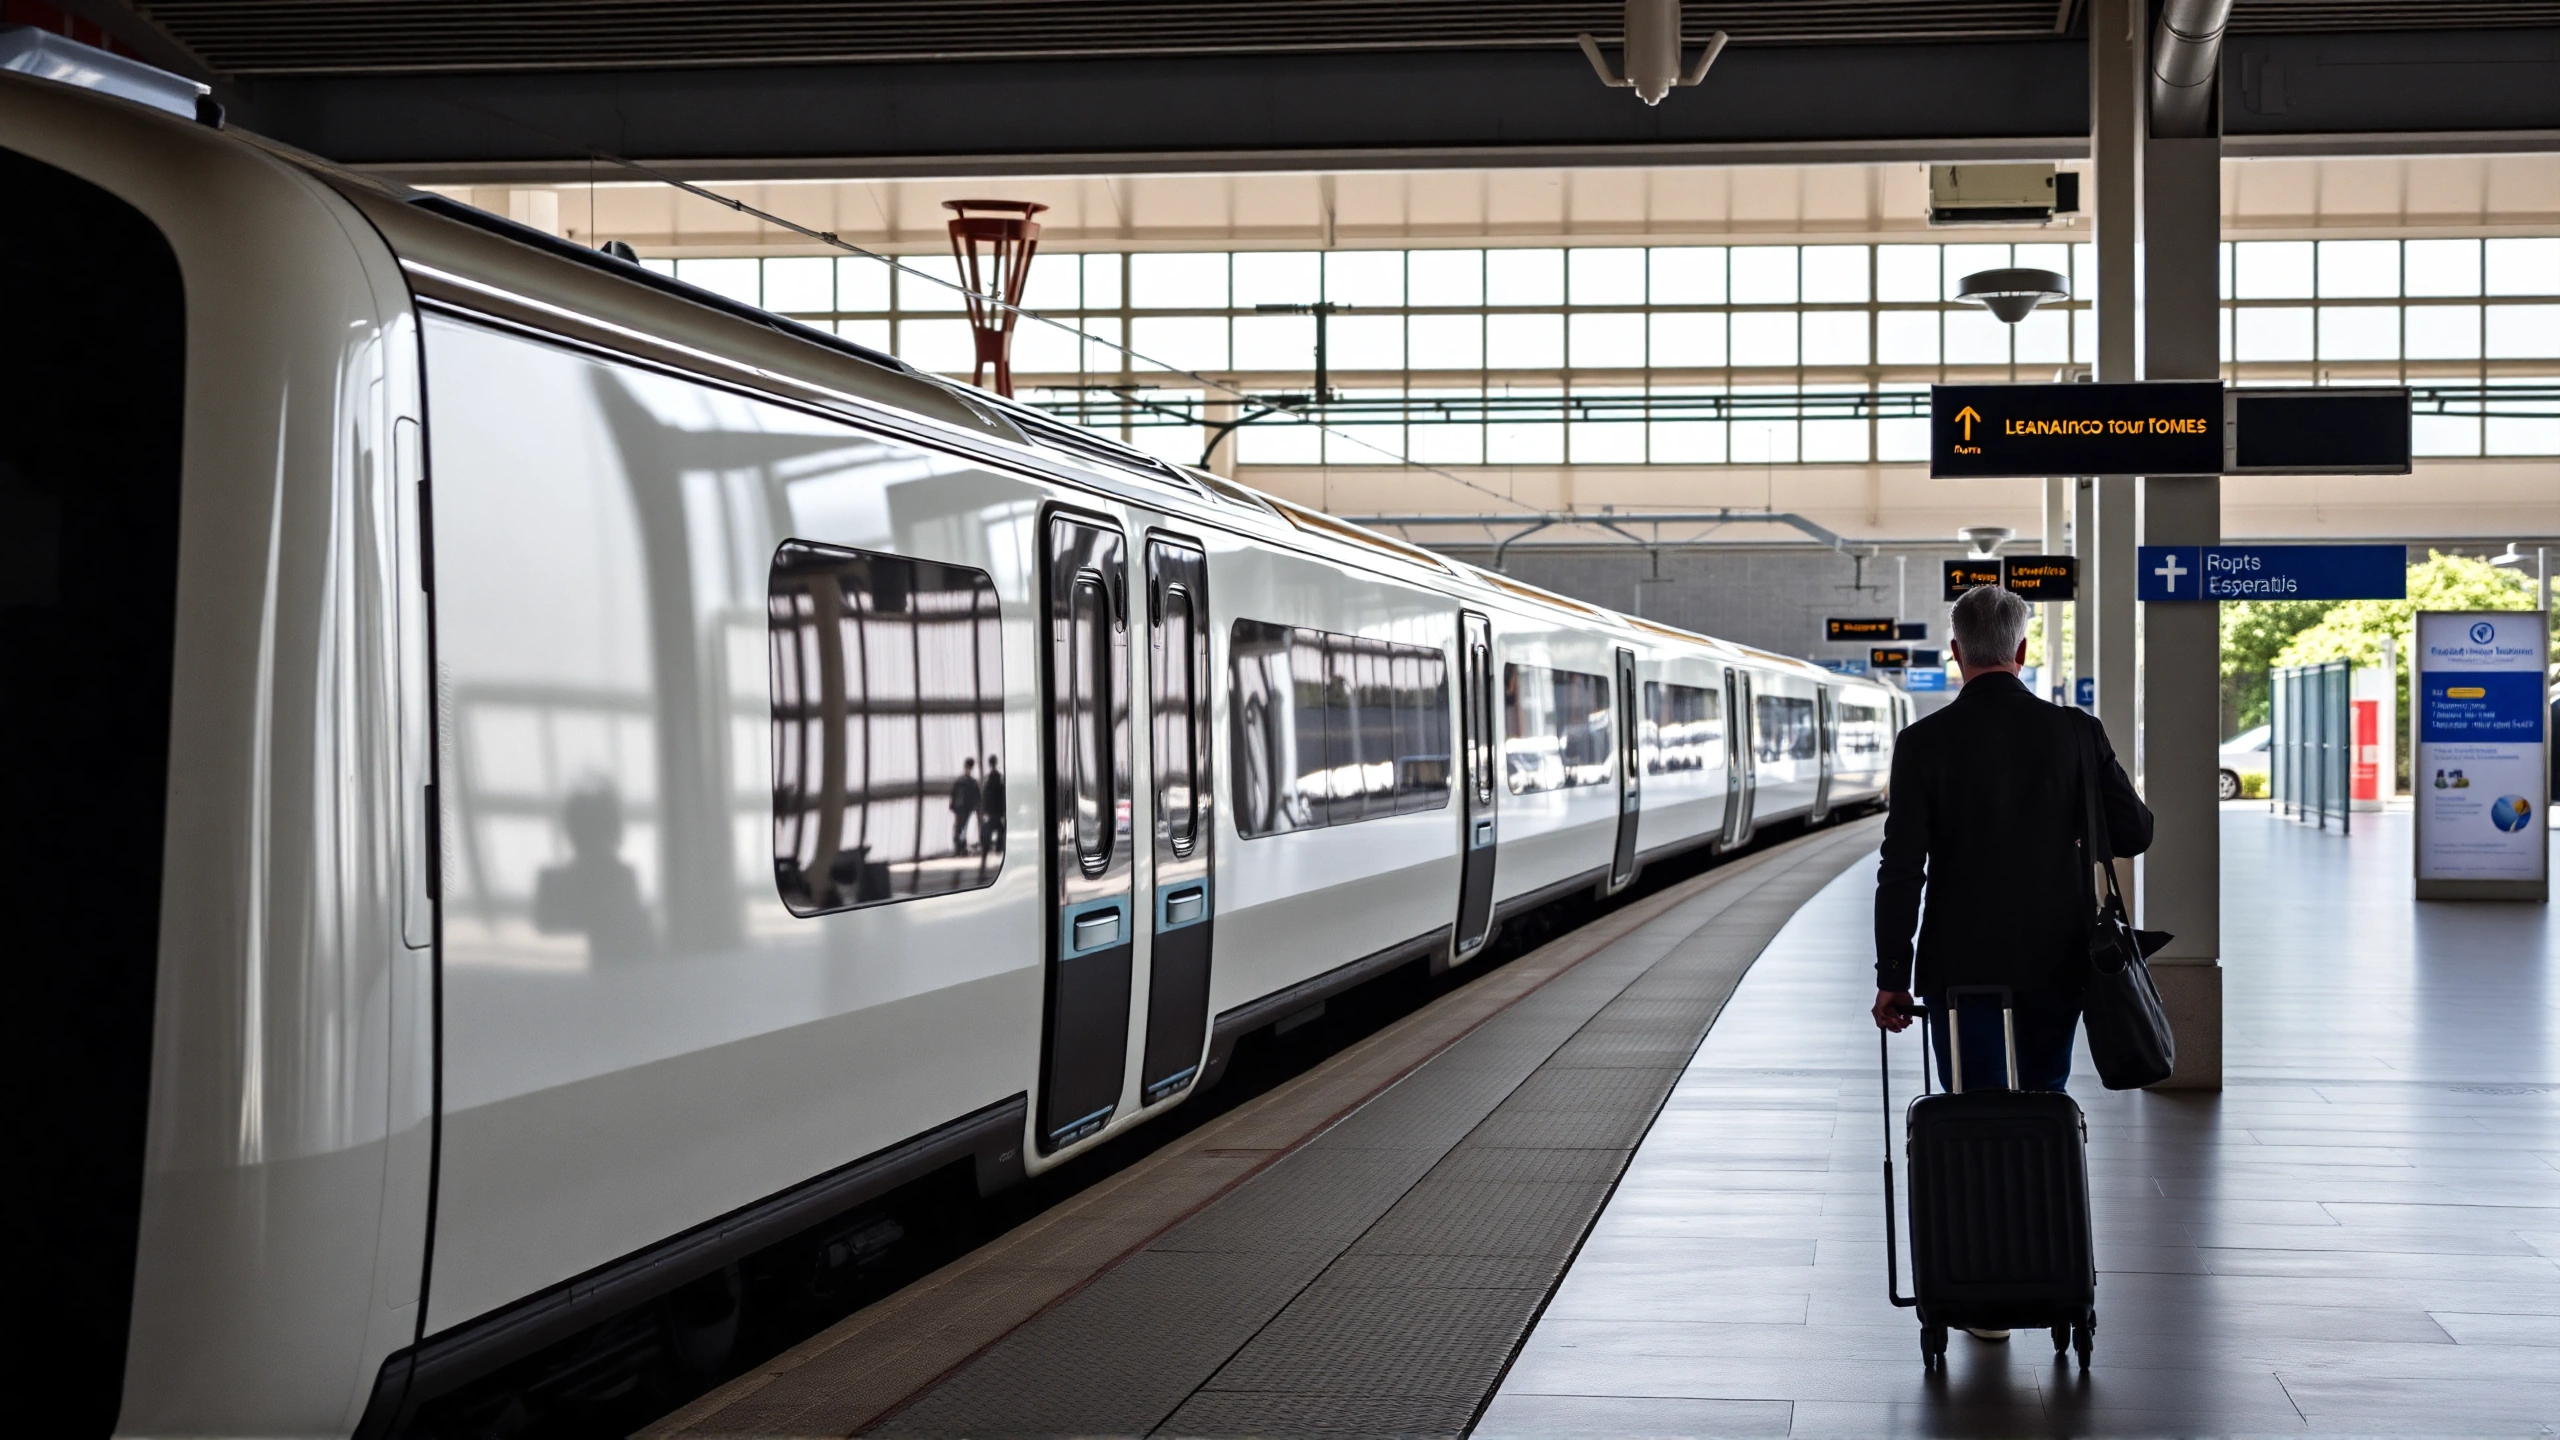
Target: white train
[{"x": 529, "y": 782}]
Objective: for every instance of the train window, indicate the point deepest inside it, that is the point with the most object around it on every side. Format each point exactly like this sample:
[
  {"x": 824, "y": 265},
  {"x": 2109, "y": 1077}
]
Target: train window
[
  {"x": 888, "y": 721},
  {"x": 1480, "y": 744},
  {"x": 1174, "y": 730},
  {"x": 1332, "y": 729},
  {"x": 1782, "y": 727},
  {"x": 1863, "y": 729},
  {"x": 1555, "y": 732},
  {"x": 1088, "y": 687},
  {"x": 1683, "y": 728}
]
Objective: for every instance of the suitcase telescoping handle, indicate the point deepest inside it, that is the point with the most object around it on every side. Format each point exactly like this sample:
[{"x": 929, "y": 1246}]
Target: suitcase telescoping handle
[{"x": 1884, "y": 1074}]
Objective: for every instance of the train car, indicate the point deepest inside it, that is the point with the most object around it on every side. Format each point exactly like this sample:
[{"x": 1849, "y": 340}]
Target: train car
[{"x": 534, "y": 781}]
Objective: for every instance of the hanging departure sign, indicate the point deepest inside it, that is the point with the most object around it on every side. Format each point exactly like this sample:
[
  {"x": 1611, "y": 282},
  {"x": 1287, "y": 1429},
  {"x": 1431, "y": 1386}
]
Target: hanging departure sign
[
  {"x": 1889, "y": 658},
  {"x": 1836, "y": 629},
  {"x": 1963, "y": 575},
  {"x": 2160, "y": 427},
  {"x": 2042, "y": 577}
]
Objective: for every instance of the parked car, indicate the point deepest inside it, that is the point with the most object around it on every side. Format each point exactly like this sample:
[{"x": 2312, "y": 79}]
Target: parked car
[{"x": 2244, "y": 751}]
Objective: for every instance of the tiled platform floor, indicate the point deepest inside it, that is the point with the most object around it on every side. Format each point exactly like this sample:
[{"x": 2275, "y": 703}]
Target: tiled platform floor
[{"x": 2360, "y": 1234}]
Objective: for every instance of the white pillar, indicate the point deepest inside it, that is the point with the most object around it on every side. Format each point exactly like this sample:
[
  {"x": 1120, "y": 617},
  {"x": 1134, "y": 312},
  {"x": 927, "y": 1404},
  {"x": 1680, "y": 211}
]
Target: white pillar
[{"x": 2116, "y": 50}]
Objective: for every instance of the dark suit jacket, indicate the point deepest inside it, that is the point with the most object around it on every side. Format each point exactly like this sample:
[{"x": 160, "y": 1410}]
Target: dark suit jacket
[{"x": 1987, "y": 818}]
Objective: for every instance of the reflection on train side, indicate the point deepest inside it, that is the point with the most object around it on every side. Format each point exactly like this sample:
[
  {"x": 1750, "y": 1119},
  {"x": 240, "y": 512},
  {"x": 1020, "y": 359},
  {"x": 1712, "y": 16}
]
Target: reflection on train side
[
  {"x": 1555, "y": 729},
  {"x": 1782, "y": 727},
  {"x": 1330, "y": 729},
  {"x": 888, "y": 693},
  {"x": 1683, "y": 729}
]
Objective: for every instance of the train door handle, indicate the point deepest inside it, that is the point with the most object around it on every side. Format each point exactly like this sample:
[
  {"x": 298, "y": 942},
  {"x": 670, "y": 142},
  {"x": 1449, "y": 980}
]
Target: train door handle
[
  {"x": 1181, "y": 907},
  {"x": 1097, "y": 930}
]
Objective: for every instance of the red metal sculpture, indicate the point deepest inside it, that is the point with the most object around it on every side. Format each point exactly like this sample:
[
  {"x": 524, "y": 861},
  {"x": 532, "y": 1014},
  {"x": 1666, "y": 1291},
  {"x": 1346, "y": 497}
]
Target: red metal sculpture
[{"x": 993, "y": 241}]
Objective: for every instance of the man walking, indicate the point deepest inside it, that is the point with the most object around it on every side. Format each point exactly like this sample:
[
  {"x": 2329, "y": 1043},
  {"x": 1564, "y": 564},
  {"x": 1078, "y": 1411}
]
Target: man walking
[
  {"x": 964, "y": 806},
  {"x": 1987, "y": 817},
  {"x": 991, "y": 810}
]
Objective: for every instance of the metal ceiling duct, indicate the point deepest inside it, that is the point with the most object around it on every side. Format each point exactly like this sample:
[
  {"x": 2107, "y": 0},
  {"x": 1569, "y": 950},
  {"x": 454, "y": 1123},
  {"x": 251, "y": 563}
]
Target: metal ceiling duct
[{"x": 2186, "y": 63}]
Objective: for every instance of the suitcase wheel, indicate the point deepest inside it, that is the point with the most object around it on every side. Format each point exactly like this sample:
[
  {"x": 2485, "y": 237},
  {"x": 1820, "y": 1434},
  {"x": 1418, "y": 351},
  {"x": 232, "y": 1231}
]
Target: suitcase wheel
[
  {"x": 2061, "y": 1338},
  {"x": 1933, "y": 1346},
  {"x": 2084, "y": 1338}
]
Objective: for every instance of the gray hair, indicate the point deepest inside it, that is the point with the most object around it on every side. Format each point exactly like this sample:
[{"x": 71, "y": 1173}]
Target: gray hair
[{"x": 1989, "y": 624}]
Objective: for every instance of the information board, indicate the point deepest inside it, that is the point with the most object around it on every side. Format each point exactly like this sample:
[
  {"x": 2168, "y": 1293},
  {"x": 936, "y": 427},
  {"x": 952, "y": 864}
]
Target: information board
[
  {"x": 2479, "y": 767},
  {"x": 1963, "y": 575},
  {"x": 2160, "y": 427},
  {"x": 1912, "y": 630},
  {"x": 2042, "y": 577},
  {"x": 1925, "y": 680},
  {"x": 2270, "y": 572},
  {"x": 1837, "y": 629},
  {"x": 1889, "y": 658}
]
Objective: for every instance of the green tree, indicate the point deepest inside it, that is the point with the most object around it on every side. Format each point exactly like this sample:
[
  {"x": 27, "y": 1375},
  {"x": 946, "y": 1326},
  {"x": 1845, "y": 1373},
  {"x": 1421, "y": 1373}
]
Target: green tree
[
  {"x": 2254, "y": 632},
  {"x": 2357, "y": 630}
]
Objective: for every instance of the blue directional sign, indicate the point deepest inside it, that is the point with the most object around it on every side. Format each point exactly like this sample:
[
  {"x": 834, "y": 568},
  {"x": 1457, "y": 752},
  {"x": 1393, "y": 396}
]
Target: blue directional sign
[
  {"x": 1925, "y": 680},
  {"x": 2271, "y": 572}
]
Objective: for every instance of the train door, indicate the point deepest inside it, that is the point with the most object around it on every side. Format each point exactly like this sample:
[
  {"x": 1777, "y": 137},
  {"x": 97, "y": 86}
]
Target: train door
[
  {"x": 1622, "y": 866},
  {"x": 1178, "y": 704},
  {"x": 1085, "y": 1027},
  {"x": 1476, "y": 786},
  {"x": 1825, "y": 732},
  {"x": 1741, "y": 786}
]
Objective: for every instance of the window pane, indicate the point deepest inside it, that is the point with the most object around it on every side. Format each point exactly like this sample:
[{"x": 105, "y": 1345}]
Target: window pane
[
  {"x": 1102, "y": 355},
  {"x": 2359, "y": 332},
  {"x": 2056, "y": 258},
  {"x": 2043, "y": 338},
  {"x": 2272, "y": 270},
  {"x": 1907, "y": 337},
  {"x": 1524, "y": 277},
  {"x": 1835, "y": 337},
  {"x": 1687, "y": 442},
  {"x": 1037, "y": 348},
  {"x": 861, "y": 284},
  {"x": 2359, "y": 268},
  {"x": 1356, "y": 444},
  {"x": 2084, "y": 271},
  {"x": 1525, "y": 441},
  {"x": 1618, "y": 440},
  {"x": 2523, "y": 332},
  {"x": 874, "y": 333},
  {"x": 1976, "y": 337},
  {"x": 912, "y": 651},
  {"x": 1520, "y": 342},
  {"x": 1902, "y": 439},
  {"x": 1835, "y": 274},
  {"x": 1102, "y": 282},
  {"x": 800, "y": 284},
  {"x": 2084, "y": 337},
  {"x": 1555, "y": 730},
  {"x": 1764, "y": 274},
  {"x": 1764, "y": 337},
  {"x": 2524, "y": 267},
  {"x": 928, "y": 282},
  {"x": 2444, "y": 332},
  {"x": 736, "y": 279},
  {"x": 2443, "y": 267},
  {"x": 1763, "y": 442},
  {"x": 1178, "y": 282},
  {"x": 1835, "y": 441},
  {"x": 1445, "y": 443},
  {"x": 1279, "y": 442},
  {"x": 1365, "y": 342},
  {"x": 1364, "y": 277},
  {"x": 1606, "y": 277},
  {"x": 942, "y": 346},
  {"x": 2278, "y": 334},
  {"x": 1185, "y": 342},
  {"x": 1445, "y": 342},
  {"x": 2530, "y": 427},
  {"x": 1277, "y": 278},
  {"x": 1691, "y": 341},
  {"x": 1963, "y": 260},
  {"x": 1447, "y": 277},
  {"x": 1275, "y": 342},
  {"x": 1907, "y": 272},
  {"x": 1055, "y": 283},
  {"x": 2443, "y": 435},
  {"x": 1688, "y": 275},
  {"x": 1608, "y": 342},
  {"x": 1158, "y": 435}
]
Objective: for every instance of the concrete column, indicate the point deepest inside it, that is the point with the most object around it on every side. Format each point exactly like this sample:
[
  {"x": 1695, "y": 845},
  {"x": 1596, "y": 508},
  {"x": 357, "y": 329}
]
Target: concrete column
[{"x": 2116, "y": 53}]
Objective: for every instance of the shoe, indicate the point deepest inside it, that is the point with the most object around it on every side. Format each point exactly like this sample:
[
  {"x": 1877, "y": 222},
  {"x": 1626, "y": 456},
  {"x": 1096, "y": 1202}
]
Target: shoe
[{"x": 1986, "y": 1334}]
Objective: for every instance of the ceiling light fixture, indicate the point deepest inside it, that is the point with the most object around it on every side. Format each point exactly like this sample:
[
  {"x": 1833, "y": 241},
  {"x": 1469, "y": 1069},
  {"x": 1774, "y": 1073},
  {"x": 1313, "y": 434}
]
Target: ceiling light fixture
[{"x": 1650, "y": 51}]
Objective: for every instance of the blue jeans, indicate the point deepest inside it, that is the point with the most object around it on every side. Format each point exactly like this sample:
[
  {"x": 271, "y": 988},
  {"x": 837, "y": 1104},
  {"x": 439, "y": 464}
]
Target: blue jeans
[{"x": 2043, "y": 1025}]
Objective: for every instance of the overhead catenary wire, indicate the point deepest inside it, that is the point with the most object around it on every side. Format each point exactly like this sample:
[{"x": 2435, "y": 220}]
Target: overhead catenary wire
[{"x": 830, "y": 238}]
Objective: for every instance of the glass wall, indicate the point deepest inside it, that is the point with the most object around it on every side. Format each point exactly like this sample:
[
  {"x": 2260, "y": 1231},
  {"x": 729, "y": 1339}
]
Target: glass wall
[{"x": 1806, "y": 322}]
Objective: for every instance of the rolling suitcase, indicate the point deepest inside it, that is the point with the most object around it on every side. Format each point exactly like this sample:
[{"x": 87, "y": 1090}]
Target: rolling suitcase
[{"x": 1999, "y": 1205}]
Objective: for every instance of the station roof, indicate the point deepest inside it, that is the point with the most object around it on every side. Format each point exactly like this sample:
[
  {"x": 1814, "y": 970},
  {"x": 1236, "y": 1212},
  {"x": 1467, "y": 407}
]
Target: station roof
[{"x": 492, "y": 91}]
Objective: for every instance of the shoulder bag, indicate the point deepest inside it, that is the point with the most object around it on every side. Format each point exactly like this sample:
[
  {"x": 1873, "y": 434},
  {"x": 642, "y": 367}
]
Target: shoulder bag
[{"x": 2129, "y": 1034}]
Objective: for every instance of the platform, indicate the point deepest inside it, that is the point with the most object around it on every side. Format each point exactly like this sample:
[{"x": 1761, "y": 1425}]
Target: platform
[
  {"x": 1359, "y": 1251},
  {"x": 2359, "y": 1234}
]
